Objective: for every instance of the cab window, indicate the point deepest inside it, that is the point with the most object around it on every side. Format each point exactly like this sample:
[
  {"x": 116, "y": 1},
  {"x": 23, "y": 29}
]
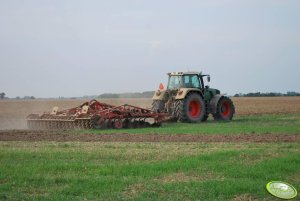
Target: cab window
[
  {"x": 191, "y": 81},
  {"x": 174, "y": 82}
]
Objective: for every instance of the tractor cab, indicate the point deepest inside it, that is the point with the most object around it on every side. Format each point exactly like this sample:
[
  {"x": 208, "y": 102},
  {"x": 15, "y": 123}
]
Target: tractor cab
[{"x": 179, "y": 80}]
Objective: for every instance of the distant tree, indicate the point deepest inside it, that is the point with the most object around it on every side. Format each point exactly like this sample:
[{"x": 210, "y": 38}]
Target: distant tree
[
  {"x": 292, "y": 93},
  {"x": 146, "y": 94},
  {"x": 109, "y": 95},
  {"x": 28, "y": 97},
  {"x": 2, "y": 95},
  {"x": 18, "y": 97},
  {"x": 270, "y": 94}
]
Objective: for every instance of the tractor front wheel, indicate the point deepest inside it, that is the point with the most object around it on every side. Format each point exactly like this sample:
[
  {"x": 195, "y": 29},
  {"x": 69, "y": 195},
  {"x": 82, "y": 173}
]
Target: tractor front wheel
[{"x": 225, "y": 109}]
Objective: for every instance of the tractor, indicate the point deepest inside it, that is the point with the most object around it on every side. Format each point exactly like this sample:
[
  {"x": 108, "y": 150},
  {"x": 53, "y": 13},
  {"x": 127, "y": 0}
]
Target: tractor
[{"x": 187, "y": 99}]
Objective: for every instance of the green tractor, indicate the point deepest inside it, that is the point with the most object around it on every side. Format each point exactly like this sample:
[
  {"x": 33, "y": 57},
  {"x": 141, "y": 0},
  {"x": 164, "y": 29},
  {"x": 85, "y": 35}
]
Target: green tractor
[{"x": 187, "y": 99}]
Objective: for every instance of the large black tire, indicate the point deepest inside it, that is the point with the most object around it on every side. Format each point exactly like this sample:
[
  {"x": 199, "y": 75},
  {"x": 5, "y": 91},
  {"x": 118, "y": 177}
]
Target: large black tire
[
  {"x": 191, "y": 109},
  {"x": 225, "y": 109},
  {"x": 158, "y": 106},
  {"x": 205, "y": 117}
]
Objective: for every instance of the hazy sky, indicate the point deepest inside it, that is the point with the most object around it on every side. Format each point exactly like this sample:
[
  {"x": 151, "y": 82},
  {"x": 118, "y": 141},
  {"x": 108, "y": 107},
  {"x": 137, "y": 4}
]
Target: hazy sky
[{"x": 51, "y": 48}]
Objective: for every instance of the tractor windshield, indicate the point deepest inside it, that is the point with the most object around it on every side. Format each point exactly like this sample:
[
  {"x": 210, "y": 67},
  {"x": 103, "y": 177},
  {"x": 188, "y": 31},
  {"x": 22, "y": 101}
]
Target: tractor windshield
[{"x": 184, "y": 81}]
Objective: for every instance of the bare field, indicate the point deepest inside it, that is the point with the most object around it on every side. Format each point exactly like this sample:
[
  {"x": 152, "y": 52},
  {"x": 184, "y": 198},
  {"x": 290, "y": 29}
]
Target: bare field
[
  {"x": 267, "y": 105},
  {"x": 14, "y": 112},
  {"x": 64, "y": 136}
]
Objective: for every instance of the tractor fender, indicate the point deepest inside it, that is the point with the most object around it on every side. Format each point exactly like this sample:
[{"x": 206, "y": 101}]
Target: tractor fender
[
  {"x": 159, "y": 95},
  {"x": 183, "y": 92},
  {"x": 212, "y": 106}
]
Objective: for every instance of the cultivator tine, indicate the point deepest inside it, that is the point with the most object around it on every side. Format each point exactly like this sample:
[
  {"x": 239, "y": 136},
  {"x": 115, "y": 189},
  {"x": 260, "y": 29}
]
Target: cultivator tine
[
  {"x": 40, "y": 125},
  {"x": 29, "y": 125},
  {"x": 58, "y": 125},
  {"x": 81, "y": 124}
]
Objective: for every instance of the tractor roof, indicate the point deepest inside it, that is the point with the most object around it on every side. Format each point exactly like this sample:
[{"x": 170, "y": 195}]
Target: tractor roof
[{"x": 185, "y": 73}]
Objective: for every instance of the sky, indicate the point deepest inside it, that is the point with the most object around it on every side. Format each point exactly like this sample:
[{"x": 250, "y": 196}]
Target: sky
[{"x": 69, "y": 48}]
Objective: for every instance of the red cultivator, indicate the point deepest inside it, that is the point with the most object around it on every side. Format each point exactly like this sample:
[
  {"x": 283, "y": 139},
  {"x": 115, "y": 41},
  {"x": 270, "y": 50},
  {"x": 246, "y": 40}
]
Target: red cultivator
[{"x": 96, "y": 115}]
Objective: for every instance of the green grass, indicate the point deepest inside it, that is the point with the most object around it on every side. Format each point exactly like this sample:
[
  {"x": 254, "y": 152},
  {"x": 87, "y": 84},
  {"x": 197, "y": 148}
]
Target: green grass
[
  {"x": 144, "y": 171},
  {"x": 264, "y": 124},
  {"x": 154, "y": 171}
]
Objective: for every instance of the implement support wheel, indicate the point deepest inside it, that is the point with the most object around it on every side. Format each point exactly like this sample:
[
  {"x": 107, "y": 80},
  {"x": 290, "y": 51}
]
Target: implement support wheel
[{"x": 118, "y": 124}]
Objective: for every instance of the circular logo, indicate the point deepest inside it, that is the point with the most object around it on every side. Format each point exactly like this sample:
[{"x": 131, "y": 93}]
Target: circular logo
[{"x": 281, "y": 190}]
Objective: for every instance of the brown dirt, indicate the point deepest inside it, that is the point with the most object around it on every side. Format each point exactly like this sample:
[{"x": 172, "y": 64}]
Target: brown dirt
[
  {"x": 13, "y": 112},
  {"x": 266, "y": 105},
  {"x": 26, "y": 135}
]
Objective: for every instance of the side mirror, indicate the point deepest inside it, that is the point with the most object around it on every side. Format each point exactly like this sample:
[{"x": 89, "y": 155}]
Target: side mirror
[{"x": 208, "y": 78}]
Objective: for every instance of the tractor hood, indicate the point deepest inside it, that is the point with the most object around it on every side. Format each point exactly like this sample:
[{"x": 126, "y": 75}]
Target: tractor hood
[
  {"x": 213, "y": 91},
  {"x": 209, "y": 93}
]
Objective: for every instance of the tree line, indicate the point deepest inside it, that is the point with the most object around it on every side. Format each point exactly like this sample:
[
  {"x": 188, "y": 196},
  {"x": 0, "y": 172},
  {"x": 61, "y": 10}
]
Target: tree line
[
  {"x": 3, "y": 96},
  {"x": 145, "y": 94}
]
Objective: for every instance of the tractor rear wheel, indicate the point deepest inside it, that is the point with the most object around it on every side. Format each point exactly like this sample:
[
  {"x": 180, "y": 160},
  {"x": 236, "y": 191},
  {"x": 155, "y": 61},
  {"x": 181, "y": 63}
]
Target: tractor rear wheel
[
  {"x": 205, "y": 117},
  {"x": 225, "y": 109},
  {"x": 191, "y": 109},
  {"x": 158, "y": 106}
]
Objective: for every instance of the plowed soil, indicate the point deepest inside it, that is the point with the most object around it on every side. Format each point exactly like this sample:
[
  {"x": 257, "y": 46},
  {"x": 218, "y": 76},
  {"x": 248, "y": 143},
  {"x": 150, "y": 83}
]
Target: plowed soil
[
  {"x": 13, "y": 112},
  {"x": 25, "y": 135}
]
